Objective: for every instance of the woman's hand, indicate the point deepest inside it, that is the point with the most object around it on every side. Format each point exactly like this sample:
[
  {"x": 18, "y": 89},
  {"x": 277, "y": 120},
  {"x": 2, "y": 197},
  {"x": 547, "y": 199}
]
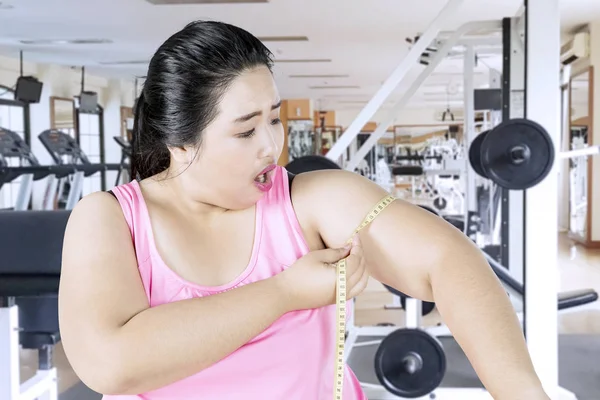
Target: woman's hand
[{"x": 311, "y": 281}]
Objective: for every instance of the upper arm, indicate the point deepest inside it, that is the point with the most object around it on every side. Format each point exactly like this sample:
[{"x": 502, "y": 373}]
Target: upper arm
[
  {"x": 100, "y": 286},
  {"x": 402, "y": 245}
]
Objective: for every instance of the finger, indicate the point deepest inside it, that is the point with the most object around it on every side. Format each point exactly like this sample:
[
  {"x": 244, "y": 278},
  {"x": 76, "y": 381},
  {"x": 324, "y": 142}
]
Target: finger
[
  {"x": 360, "y": 286},
  {"x": 356, "y": 269},
  {"x": 354, "y": 265},
  {"x": 353, "y": 275},
  {"x": 356, "y": 245},
  {"x": 329, "y": 256}
]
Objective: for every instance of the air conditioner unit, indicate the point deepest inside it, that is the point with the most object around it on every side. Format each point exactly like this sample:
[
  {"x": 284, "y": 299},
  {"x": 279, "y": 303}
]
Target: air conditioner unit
[{"x": 576, "y": 48}]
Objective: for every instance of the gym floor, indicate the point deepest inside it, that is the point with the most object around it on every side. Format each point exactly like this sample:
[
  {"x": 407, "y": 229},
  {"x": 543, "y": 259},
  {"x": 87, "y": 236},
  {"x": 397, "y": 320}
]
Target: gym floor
[{"x": 579, "y": 341}]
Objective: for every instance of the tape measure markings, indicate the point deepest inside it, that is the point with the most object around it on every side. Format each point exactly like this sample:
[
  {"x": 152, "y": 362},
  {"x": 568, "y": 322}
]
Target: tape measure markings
[{"x": 340, "y": 300}]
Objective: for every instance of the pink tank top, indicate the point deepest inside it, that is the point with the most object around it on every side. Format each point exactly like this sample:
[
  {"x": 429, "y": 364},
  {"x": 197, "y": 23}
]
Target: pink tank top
[{"x": 293, "y": 359}]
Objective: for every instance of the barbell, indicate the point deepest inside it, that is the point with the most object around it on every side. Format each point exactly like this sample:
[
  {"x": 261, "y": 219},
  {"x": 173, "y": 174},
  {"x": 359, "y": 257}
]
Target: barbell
[
  {"x": 410, "y": 363},
  {"x": 517, "y": 154}
]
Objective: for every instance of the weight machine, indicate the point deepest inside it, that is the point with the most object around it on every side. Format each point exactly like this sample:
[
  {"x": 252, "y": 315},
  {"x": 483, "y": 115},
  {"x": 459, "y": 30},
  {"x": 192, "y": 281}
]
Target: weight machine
[
  {"x": 29, "y": 282},
  {"x": 301, "y": 138},
  {"x": 528, "y": 92},
  {"x": 435, "y": 174}
]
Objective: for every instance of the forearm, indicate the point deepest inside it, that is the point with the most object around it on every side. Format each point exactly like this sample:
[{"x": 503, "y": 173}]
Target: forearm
[
  {"x": 164, "y": 344},
  {"x": 482, "y": 319}
]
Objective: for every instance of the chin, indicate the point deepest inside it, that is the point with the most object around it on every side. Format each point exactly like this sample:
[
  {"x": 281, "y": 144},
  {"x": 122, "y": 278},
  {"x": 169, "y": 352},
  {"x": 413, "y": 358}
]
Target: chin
[{"x": 241, "y": 201}]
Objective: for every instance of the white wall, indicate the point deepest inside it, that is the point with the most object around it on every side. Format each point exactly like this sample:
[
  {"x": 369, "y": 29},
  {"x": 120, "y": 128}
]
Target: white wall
[
  {"x": 409, "y": 116},
  {"x": 66, "y": 82}
]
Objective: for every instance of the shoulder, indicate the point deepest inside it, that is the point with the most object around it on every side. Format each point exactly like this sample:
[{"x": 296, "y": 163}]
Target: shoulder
[
  {"x": 334, "y": 202},
  {"x": 337, "y": 183},
  {"x": 99, "y": 211},
  {"x": 96, "y": 203}
]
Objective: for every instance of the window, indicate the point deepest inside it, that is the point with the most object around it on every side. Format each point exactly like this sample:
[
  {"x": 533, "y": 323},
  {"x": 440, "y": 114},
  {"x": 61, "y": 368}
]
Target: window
[
  {"x": 12, "y": 117},
  {"x": 89, "y": 141}
]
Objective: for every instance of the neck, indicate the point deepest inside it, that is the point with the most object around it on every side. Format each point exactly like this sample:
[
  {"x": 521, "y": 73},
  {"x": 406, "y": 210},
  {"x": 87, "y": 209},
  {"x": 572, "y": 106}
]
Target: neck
[{"x": 193, "y": 205}]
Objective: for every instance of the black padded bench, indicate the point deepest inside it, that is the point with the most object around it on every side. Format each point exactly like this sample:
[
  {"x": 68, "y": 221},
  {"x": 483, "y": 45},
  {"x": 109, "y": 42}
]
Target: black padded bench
[
  {"x": 407, "y": 170},
  {"x": 30, "y": 260},
  {"x": 565, "y": 300},
  {"x": 576, "y": 298}
]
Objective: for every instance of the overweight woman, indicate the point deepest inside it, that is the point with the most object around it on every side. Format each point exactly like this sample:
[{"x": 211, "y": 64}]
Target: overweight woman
[{"x": 211, "y": 275}]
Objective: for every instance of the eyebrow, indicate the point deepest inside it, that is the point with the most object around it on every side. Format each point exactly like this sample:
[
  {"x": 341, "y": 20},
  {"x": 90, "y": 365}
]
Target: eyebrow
[{"x": 248, "y": 117}]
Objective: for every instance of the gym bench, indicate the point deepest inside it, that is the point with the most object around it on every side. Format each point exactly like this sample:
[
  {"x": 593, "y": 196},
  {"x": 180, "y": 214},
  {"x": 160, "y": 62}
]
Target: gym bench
[
  {"x": 31, "y": 251},
  {"x": 565, "y": 300}
]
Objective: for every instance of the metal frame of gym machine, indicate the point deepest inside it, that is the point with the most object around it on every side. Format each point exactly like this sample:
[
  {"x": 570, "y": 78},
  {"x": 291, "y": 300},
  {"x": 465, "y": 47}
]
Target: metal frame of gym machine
[
  {"x": 43, "y": 385},
  {"x": 532, "y": 239},
  {"x": 26, "y": 185}
]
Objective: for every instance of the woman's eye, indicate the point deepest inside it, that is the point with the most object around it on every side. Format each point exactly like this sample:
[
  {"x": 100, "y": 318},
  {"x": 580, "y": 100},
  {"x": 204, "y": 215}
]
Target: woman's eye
[
  {"x": 247, "y": 134},
  {"x": 251, "y": 133}
]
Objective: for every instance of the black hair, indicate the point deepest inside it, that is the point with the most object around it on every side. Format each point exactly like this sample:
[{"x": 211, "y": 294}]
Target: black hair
[{"x": 187, "y": 77}]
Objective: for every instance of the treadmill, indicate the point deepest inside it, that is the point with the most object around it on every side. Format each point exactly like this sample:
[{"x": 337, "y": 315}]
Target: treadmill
[
  {"x": 64, "y": 150},
  {"x": 13, "y": 147}
]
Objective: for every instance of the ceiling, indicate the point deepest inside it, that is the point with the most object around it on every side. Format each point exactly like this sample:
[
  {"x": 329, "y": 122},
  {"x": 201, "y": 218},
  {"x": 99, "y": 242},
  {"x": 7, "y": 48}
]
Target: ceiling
[{"x": 363, "y": 40}]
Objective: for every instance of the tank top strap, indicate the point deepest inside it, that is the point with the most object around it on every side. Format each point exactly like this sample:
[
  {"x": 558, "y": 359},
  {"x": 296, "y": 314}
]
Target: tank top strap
[
  {"x": 279, "y": 216},
  {"x": 135, "y": 213}
]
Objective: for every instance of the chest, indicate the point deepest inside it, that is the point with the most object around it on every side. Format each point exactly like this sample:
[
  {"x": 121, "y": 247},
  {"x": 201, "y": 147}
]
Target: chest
[{"x": 207, "y": 254}]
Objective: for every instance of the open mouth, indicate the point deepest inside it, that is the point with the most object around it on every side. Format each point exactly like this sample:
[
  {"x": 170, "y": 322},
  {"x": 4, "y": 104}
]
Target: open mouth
[{"x": 261, "y": 178}]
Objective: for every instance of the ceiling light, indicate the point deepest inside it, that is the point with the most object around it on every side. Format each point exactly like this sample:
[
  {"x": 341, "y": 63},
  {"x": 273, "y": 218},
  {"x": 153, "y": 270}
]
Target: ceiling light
[
  {"x": 128, "y": 62},
  {"x": 65, "y": 41},
  {"x": 283, "y": 39},
  {"x": 309, "y": 60},
  {"x": 90, "y": 41},
  {"x": 173, "y": 2},
  {"x": 319, "y": 76},
  {"x": 345, "y": 95},
  {"x": 334, "y": 87}
]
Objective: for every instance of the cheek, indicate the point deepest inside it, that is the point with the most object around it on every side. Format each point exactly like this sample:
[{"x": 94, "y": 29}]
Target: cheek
[{"x": 225, "y": 159}]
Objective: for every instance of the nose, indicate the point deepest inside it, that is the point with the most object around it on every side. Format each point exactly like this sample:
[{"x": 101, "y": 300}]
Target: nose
[{"x": 269, "y": 146}]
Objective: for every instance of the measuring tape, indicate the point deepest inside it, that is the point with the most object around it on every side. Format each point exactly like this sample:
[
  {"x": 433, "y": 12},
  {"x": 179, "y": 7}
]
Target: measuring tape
[{"x": 340, "y": 301}]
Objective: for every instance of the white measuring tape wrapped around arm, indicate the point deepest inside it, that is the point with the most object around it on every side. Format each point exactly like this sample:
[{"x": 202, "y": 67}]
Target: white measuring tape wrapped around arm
[{"x": 340, "y": 301}]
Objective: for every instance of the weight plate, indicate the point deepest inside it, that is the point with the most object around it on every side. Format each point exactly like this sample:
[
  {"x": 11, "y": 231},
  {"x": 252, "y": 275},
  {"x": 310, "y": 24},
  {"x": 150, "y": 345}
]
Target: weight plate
[
  {"x": 475, "y": 154},
  {"x": 535, "y": 159},
  {"x": 310, "y": 163},
  {"x": 410, "y": 363},
  {"x": 440, "y": 203}
]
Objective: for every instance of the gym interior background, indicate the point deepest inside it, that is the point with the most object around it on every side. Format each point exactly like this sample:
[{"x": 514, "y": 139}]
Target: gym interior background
[{"x": 70, "y": 72}]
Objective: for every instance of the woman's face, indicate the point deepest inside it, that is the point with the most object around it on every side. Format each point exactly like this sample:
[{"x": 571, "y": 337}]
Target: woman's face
[{"x": 243, "y": 141}]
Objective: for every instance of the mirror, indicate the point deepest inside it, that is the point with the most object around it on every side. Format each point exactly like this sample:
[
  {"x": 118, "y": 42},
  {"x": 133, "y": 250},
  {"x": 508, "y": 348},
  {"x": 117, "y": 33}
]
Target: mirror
[
  {"x": 62, "y": 115},
  {"x": 580, "y": 124}
]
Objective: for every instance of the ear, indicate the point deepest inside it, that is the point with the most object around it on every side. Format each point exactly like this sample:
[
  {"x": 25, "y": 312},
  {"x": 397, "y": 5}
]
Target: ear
[{"x": 182, "y": 155}]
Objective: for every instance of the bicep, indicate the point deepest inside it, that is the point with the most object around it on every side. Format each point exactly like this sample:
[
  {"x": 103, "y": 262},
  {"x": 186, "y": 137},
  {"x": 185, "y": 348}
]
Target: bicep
[
  {"x": 401, "y": 245},
  {"x": 100, "y": 287}
]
